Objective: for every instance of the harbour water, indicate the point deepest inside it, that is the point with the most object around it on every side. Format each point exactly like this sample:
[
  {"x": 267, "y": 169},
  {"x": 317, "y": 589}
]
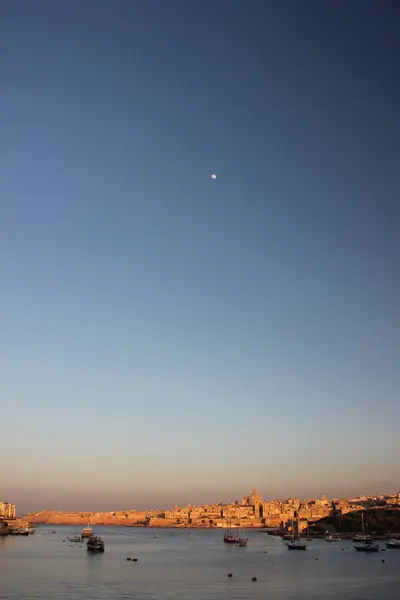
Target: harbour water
[{"x": 190, "y": 565}]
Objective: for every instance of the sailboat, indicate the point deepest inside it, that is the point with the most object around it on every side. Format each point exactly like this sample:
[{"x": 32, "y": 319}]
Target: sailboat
[
  {"x": 296, "y": 544},
  {"x": 362, "y": 537},
  {"x": 228, "y": 537},
  {"x": 241, "y": 540}
]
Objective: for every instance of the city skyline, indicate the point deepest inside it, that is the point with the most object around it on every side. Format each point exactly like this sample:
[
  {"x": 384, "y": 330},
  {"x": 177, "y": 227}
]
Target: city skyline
[
  {"x": 69, "y": 503},
  {"x": 167, "y": 336}
]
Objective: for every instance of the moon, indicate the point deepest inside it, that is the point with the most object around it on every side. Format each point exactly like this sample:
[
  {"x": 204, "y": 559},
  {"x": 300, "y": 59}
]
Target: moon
[{"x": 213, "y": 176}]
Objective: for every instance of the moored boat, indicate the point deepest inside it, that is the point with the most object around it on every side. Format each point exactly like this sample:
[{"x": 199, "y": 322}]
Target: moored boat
[
  {"x": 19, "y": 531},
  {"x": 393, "y": 544},
  {"x": 367, "y": 547},
  {"x": 95, "y": 544},
  {"x": 296, "y": 543},
  {"x": 362, "y": 537},
  {"x": 87, "y": 532},
  {"x": 228, "y": 537},
  {"x": 241, "y": 542},
  {"x": 333, "y": 538}
]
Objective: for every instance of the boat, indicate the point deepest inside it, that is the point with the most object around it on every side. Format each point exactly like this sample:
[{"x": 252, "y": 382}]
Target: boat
[
  {"x": 87, "y": 532},
  {"x": 367, "y": 547},
  {"x": 296, "y": 544},
  {"x": 241, "y": 540},
  {"x": 95, "y": 544},
  {"x": 20, "y": 531},
  {"x": 332, "y": 538},
  {"x": 362, "y": 537},
  {"x": 393, "y": 544},
  {"x": 228, "y": 537},
  {"x": 76, "y": 538}
]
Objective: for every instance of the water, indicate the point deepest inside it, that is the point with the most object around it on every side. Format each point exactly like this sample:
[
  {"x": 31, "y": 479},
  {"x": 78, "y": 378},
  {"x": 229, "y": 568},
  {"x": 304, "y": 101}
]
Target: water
[{"x": 190, "y": 565}]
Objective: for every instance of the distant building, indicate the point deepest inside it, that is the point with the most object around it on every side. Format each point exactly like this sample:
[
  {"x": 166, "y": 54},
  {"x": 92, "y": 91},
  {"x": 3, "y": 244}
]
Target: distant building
[{"x": 7, "y": 510}]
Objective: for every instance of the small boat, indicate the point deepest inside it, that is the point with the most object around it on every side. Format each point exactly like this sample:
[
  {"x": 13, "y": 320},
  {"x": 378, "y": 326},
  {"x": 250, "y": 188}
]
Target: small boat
[
  {"x": 76, "y": 539},
  {"x": 296, "y": 545},
  {"x": 229, "y": 539},
  {"x": 242, "y": 542},
  {"x": 95, "y": 544},
  {"x": 332, "y": 538},
  {"x": 87, "y": 532},
  {"x": 393, "y": 544},
  {"x": 20, "y": 531},
  {"x": 367, "y": 547}
]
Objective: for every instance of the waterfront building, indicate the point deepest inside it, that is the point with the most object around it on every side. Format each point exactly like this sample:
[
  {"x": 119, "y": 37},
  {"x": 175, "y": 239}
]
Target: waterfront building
[{"x": 7, "y": 510}]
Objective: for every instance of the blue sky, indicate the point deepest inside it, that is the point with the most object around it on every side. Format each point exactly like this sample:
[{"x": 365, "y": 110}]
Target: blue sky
[{"x": 165, "y": 337}]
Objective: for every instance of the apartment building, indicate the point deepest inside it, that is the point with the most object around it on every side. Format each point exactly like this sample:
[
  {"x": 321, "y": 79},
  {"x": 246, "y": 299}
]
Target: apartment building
[{"x": 7, "y": 510}]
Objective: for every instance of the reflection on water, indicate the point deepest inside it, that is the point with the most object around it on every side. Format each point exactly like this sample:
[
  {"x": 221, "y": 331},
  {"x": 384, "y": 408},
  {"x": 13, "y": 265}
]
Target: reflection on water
[{"x": 183, "y": 565}]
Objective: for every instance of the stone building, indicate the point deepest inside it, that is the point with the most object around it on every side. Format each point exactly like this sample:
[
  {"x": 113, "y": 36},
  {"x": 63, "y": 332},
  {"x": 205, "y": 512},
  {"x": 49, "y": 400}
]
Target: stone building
[{"x": 7, "y": 510}]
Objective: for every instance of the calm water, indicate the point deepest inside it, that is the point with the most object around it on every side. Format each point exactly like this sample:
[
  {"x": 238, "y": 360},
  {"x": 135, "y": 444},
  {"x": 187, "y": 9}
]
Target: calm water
[{"x": 183, "y": 565}]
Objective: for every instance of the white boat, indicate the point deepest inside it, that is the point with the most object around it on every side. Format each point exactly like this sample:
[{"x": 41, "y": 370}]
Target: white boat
[
  {"x": 393, "y": 544},
  {"x": 332, "y": 538}
]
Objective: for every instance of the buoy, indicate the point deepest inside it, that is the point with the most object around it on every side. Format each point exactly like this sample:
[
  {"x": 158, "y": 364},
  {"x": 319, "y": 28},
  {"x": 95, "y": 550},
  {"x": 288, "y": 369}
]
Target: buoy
[
  {"x": 254, "y": 578},
  {"x": 229, "y": 574},
  {"x": 383, "y": 560},
  {"x": 317, "y": 559},
  {"x": 342, "y": 549},
  {"x": 265, "y": 551}
]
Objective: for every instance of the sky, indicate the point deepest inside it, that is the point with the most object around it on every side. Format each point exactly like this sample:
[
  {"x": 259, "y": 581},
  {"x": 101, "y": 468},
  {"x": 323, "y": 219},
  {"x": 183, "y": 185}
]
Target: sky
[{"x": 168, "y": 338}]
